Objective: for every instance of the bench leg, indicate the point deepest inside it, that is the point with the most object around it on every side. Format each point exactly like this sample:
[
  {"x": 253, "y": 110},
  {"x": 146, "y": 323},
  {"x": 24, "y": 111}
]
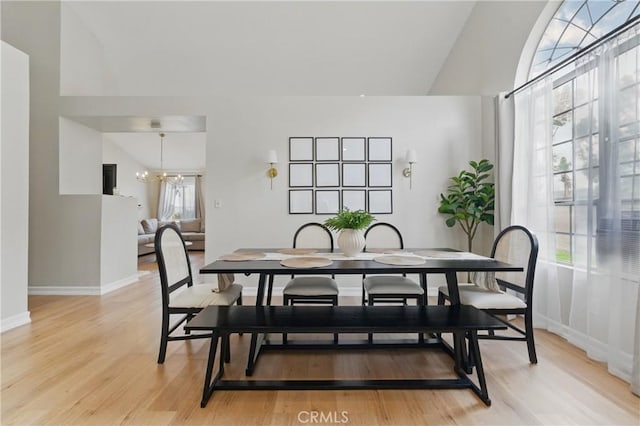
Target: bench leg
[
  {"x": 474, "y": 348},
  {"x": 254, "y": 351},
  {"x": 208, "y": 385}
]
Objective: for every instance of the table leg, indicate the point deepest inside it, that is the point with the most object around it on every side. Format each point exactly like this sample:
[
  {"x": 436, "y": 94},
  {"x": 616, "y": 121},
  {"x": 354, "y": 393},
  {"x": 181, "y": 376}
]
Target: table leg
[
  {"x": 208, "y": 386},
  {"x": 458, "y": 340},
  {"x": 270, "y": 289},
  {"x": 256, "y": 339}
]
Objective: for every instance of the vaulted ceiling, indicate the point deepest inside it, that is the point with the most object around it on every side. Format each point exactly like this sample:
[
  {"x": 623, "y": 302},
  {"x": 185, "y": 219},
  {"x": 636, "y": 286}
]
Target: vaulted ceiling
[{"x": 267, "y": 48}]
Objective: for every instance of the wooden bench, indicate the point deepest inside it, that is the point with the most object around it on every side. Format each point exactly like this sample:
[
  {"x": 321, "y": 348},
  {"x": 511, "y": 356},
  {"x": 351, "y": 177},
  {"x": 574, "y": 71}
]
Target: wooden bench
[{"x": 461, "y": 321}]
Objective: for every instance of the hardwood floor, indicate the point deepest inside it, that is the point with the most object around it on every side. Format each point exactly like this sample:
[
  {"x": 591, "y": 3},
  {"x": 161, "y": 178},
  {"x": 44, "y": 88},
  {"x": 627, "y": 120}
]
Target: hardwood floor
[{"x": 92, "y": 361}]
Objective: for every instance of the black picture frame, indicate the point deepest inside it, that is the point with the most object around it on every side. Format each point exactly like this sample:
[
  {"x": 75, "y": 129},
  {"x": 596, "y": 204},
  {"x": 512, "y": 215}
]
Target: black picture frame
[
  {"x": 354, "y": 175},
  {"x": 354, "y": 149},
  {"x": 301, "y": 201},
  {"x": 327, "y": 175},
  {"x": 350, "y": 199},
  {"x": 380, "y": 201},
  {"x": 380, "y": 149},
  {"x": 327, "y": 149},
  {"x": 322, "y": 199},
  {"x": 301, "y": 148},
  {"x": 379, "y": 175},
  {"x": 301, "y": 175}
]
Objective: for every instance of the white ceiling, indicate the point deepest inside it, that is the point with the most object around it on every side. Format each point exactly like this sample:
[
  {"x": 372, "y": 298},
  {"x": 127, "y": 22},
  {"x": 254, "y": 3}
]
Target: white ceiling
[
  {"x": 270, "y": 48},
  {"x": 257, "y": 48}
]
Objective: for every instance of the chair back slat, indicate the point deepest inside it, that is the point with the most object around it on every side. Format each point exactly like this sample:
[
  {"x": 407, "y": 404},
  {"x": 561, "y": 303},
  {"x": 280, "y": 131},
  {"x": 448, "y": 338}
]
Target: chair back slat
[
  {"x": 313, "y": 235},
  {"x": 518, "y": 246},
  {"x": 173, "y": 260},
  {"x": 383, "y": 235}
]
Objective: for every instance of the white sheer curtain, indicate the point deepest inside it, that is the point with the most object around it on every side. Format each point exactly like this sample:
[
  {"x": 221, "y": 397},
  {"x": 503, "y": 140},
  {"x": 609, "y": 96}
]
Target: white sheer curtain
[
  {"x": 532, "y": 195},
  {"x": 166, "y": 200},
  {"x": 199, "y": 201},
  {"x": 503, "y": 171},
  {"x": 577, "y": 186}
]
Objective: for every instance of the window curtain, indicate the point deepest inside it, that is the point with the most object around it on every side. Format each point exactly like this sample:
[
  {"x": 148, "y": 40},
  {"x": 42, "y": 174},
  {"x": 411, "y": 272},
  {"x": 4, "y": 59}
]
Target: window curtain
[
  {"x": 532, "y": 195},
  {"x": 593, "y": 300},
  {"x": 606, "y": 258},
  {"x": 199, "y": 199},
  {"x": 504, "y": 165},
  {"x": 166, "y": 200}
]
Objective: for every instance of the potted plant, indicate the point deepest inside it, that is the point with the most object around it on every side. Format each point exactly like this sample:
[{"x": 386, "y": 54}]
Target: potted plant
[
  {"x": 470, "y": 200},
  {"x": 351, "y": 225}
]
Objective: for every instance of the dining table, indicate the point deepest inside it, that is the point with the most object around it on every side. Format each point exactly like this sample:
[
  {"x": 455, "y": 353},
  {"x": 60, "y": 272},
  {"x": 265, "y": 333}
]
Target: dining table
[{"x": 270, "y": 262}]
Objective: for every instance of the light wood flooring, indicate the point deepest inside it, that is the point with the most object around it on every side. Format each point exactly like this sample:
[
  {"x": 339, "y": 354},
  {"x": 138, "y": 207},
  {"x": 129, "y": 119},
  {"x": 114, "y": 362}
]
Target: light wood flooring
[{"x": 92, "y": 361}]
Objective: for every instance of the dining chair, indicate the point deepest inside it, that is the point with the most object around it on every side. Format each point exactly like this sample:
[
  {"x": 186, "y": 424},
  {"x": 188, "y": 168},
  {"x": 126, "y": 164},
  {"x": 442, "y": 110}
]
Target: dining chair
[
  {"x": 311, "y": 289},
  {"x": 518, "y": 246},
  {"x": 180, "y": 296},
  {"x": 388, "y": 288}
]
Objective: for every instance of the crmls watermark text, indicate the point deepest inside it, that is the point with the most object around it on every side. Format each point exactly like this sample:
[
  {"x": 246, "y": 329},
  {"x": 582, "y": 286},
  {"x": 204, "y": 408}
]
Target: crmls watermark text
[{"x": 306, "y": 417}]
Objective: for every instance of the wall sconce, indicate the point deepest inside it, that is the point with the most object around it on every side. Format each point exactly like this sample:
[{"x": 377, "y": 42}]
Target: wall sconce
[
  {"x": 272, "y": 159},
  {"x": 408, "y": 171}
]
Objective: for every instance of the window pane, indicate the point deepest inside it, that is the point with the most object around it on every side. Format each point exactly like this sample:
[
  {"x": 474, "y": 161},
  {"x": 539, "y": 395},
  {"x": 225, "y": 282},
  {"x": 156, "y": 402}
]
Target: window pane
[
  {"x": 563, "y": 218},
  {"x": 626, "y": 187},
  {"x": 562, "y": 98},
  {"x": 627, "y": 104},
  {"x": 562, "y": 157},
  {"x": 563, "y": 248},
  {"x": 562, "y": 127},
  {"x": 581, "y": 186},
  {"x": 581, "y": 157},
  {"x": 580, "y": 218},
  {"x": 627, "y": 67},
  {"x": 584, "y": 124},
  {"x": 586, "y": 87},
  {"x": 562, "y": 186}
]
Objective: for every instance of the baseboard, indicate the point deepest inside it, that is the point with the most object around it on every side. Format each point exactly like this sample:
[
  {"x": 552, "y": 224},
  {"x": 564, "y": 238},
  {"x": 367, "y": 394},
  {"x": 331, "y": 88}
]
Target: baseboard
[
  {"x": 84, "y": 290},
  {"x": 108, "y": 288},
  {"x": 64, "y": 291},
  {"x": 15, "y": 321}
]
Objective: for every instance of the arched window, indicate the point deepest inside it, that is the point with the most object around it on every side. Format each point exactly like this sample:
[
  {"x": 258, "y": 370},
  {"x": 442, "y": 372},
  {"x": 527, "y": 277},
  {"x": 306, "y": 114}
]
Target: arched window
[
  {"x": 577, "y": 24},
  {"x": 578, "y": 176}
]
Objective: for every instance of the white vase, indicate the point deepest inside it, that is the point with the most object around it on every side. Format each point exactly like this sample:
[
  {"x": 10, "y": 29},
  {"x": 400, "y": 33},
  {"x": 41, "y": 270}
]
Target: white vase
[{"x": 351, "y": 241}]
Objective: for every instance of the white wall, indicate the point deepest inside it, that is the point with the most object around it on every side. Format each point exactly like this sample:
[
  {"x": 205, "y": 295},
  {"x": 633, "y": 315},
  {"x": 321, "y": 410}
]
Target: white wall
[
  {"x": 118, "y": 243},
  {"x": 84, "y": 68},
  {"x": 445, "y": 132},
  {"x": 80, "y": 158},
  {"x": 485, "y": 57},
  {"x": 128, "y": 185},
  {"x": 64, "y": 230},
  {"x": 14, "y": 187}
]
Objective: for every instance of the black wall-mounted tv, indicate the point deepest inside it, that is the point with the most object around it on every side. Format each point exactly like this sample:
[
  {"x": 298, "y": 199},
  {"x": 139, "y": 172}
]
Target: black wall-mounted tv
[{"x": 109, "y": 178}]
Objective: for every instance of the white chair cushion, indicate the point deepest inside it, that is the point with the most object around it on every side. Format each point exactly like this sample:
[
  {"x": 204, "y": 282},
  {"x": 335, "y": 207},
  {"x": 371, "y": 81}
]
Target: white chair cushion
[
  {"x": 485, "y": 299},
  {"x": 311, "y": 286},
  {"x": 383, "y": 284},
  {"x": 200, "y": 296}
]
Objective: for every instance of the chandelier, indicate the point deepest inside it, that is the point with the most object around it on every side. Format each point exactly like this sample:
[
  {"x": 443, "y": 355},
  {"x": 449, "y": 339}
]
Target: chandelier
[{"x": 162, "y": 176}]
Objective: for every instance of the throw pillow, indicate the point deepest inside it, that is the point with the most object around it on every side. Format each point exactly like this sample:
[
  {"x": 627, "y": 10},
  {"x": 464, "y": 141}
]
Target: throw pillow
[
  {"x": 192, "y": 225},
  {"x": 150, "y": 226},
  {"x": 140, "y": 229}
]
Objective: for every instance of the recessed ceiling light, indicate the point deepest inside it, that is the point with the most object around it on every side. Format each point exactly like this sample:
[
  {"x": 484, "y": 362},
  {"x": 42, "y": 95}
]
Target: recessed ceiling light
[{"x": 362, "y": 95}]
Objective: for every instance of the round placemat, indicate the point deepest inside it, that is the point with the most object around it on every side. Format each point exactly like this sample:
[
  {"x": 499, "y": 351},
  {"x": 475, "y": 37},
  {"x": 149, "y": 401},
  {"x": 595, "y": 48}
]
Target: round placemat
[
  {"x": 241, "y": 257},
  {"x": 306, "y": 262},
  {"x": 400, "y": 260},
  {"x": 300, "y": 251}
]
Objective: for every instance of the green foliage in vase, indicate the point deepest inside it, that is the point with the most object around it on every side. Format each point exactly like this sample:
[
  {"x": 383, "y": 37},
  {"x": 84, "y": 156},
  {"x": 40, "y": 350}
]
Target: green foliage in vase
[
  {"x": 347, "y": 219},
  {"x": 470, "y": 200}
]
